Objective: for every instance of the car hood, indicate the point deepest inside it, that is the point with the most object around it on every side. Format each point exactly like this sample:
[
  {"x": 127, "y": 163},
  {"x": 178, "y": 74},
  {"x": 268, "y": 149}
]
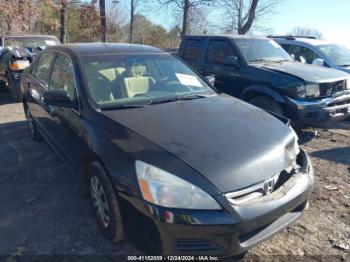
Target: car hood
[
  {"x": 306, "y": 72},
  {"x": 231, "y": 143}
]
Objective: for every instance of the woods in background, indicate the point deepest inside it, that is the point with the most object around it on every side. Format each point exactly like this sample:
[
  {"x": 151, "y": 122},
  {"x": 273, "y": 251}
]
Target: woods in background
[{"x": 126, "y": 20}]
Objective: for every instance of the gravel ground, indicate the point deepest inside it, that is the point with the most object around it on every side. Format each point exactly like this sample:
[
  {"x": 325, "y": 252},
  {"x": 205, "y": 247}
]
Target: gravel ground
[{"x": 43, "y": 213}]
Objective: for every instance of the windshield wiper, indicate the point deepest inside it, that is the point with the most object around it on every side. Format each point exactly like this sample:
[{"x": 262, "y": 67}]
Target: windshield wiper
[
  {"x": 184, "y": 97},
  {"x": 345, "y": 65},
  {"x": 259, "y": 60},
  {"x": 127, "y": 106}
]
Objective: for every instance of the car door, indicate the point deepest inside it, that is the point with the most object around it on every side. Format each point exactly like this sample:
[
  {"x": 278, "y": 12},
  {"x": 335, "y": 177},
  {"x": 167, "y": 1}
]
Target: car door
[
  {"x": 227, "y": 77},
  {"x": 68, "y": 127},
  {"x": 37, "y": 84}
]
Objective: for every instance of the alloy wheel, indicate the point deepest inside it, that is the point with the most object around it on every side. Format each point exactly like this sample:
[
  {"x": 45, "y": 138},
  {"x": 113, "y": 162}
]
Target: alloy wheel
[{"x": 99, "y": 201}]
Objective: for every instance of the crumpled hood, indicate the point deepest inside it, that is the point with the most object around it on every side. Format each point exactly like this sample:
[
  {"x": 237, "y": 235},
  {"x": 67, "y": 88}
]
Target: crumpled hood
[
  {"x": 231, "y": 143},
  {"x": 309, "y": 73}
]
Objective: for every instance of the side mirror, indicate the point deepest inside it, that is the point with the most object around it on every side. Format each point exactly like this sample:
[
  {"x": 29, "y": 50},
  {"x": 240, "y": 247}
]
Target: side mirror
[
  {"x": 318, "y": 61},
  {"x": 230, "y": 61},
  {"x": 211, "y": 80},
  {"x": 58, "y": 98}
]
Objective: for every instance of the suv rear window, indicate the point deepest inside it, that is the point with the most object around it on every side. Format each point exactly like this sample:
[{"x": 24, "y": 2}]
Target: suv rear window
[
  {"x": 192, "y": 50},
  {"x": 218, "y": 50}
]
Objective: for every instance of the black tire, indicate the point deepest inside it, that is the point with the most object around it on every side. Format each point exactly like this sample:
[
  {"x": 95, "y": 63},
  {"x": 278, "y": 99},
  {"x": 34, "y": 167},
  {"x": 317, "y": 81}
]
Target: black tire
[
  {"x": 267, "y": 103},
  {"x": 15, "y": 89},
  {"x": 33, "y": 130},
  {"x": 113, "y": 230},
  {"x": 2, "y": 86}
]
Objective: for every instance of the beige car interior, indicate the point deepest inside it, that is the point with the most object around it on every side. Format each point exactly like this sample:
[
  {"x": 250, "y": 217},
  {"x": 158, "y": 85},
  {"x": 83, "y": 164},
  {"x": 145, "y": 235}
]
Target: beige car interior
[
  {"x": 116, "y": 83},
  {"x": 137, "y": 82}
]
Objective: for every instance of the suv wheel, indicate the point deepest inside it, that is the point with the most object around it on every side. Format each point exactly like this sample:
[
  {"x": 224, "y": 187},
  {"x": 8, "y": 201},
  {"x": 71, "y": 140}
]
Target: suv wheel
[
  {"x": 267, "y": 103},
  {"x": 34, "y": 133},
  {"x": 2, "y": 86},
  {"x": 14, "y": 86},
  {"x": 104, "y": 202}
]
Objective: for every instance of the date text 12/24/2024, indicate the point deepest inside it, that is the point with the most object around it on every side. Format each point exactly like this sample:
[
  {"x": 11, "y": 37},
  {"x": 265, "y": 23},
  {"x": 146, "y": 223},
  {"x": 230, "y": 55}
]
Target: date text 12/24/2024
[{"x": 173, "y": 258}]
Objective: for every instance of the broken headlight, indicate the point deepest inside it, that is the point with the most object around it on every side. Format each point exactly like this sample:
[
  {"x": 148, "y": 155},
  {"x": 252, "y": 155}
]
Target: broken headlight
[
  {"x": 164, "y": 189},
  {"x": 312, "y": 90}
]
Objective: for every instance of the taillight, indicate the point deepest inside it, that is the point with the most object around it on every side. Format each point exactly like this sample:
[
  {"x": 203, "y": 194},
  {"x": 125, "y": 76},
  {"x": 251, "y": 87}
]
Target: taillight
[{"x": 20, "y": 65}]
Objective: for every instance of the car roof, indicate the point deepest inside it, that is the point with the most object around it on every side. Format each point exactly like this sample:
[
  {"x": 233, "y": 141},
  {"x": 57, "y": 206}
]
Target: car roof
[
  {"x": 28, "y": 36},
  {"x": 227, "y": 36},
  {"x": 89, "y": 49},
  {"x": 307, "y": 40}
]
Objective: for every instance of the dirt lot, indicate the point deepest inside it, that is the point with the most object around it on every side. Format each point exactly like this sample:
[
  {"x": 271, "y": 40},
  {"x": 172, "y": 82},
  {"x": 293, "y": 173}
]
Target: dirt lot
[{"x": 42, "y": 211}]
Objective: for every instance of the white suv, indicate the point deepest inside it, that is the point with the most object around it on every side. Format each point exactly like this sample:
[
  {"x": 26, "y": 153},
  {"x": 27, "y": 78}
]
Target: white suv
[{"x": 316, "y": 51}]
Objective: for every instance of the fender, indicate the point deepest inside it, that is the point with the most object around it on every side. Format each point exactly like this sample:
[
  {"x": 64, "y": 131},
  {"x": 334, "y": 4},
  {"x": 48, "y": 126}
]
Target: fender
[{"x": 263, "y": 90}]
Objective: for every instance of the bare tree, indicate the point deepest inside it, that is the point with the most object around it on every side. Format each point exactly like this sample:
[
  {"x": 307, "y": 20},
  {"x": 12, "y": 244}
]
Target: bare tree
[
  {"x": 242, "y": 14},
  {"x": 185, "y": 6},
  {"x": 132, "y": 17},
  {"x": 135, "y": 6},
  {"x": 306, "y": 31},
  {"x": 103, "y": 21},
  {"x": 63, "y": 34}
]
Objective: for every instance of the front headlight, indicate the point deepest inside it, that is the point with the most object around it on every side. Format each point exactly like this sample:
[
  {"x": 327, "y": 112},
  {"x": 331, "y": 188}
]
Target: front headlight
[
  {"x": 164, "y": 189},
  {"x": 301, "y": 91},
  {"x": 312, "y": 90}
]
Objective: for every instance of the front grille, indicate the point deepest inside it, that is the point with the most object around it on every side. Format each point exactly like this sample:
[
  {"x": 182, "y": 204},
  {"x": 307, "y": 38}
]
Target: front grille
[
  {"x": 339, "y": 103},
  {"x": 328, "y": 89},
  {"x": 193, "y": 245}
]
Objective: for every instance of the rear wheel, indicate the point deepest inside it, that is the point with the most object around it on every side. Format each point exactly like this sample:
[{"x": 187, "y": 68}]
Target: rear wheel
[
  {"x": 33, "y": 130},
  {"x": 2, "y": 86},
  {"x": 104, "y": 202},
  {"x": 267, "y": 103},
  {"x": 14, "y": 86}
]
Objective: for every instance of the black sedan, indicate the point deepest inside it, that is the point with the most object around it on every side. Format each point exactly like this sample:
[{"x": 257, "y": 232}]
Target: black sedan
[{"x": 168, "y": 163}]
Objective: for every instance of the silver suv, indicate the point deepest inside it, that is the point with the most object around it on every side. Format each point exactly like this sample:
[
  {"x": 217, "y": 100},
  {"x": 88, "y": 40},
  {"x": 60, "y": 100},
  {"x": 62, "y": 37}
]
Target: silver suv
[{"x": 316, "y": 51}]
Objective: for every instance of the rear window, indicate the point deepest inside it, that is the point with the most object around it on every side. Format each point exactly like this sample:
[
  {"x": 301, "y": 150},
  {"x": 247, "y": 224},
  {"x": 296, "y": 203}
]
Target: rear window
[
  {"x": 218, "y": 50},
  {"x": 192, "y": 50}
]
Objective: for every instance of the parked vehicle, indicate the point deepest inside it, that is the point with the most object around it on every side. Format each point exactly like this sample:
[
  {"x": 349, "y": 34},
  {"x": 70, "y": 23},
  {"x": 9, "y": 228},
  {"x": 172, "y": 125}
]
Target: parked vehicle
[
  {"x": 167, "y": 162},
  {"x": 16, "y": 54},
  {"x": 259, "y": 71},
  {"x": 308, "y": 49}
]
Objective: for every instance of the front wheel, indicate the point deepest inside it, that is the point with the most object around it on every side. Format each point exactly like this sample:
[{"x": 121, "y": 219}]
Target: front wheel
[
  {"x": 104, "y": 202},
  {"x": 267, "y": 103}
]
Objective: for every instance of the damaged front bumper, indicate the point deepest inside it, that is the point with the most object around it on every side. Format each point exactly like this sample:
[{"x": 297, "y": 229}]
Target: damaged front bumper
[
  {"x": 230, "y": 231},
  {"x": 319, "y": 112}
]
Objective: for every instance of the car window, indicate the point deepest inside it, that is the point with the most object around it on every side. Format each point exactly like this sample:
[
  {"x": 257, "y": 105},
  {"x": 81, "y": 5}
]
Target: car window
[
  {"x": 192, "y": 50},
  {"x": 218, "y": 50},
  {"x": 260, "y": 50},
  {"x": 339, "y": 54},
  {"x": 302, "y": 54},
  {"x": 62, "y": 76},
  {"x": 125, "y": 79},
  {"x": 42, "y": 71}
]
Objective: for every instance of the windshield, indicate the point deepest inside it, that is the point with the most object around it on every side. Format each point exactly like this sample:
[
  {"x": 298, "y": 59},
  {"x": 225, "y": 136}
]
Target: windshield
[
  {"x": 30, "y": 42},
  {"x": 338, "y": 54},
  {"x": 255, "y": 50},
  {"x": 133, "y": 80}
]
